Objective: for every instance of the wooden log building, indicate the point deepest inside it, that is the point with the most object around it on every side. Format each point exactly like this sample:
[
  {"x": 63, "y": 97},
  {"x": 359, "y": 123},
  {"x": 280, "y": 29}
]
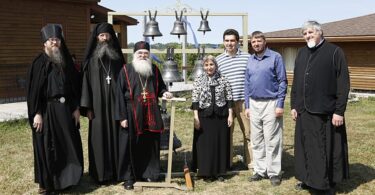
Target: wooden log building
[
  {"x": 20, "y": 24},
  {"x": 356, "y": 36}
]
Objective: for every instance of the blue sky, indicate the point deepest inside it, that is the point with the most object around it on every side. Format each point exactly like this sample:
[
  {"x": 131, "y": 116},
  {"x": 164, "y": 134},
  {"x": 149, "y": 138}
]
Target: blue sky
[{"x": 265, "y": 15}]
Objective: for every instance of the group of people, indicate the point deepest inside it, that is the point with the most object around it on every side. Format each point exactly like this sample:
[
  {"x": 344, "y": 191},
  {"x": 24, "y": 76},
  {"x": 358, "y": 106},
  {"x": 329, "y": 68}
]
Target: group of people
[
  {"x": 252, "y": 88},
  {"x": 121, "y": 102}
]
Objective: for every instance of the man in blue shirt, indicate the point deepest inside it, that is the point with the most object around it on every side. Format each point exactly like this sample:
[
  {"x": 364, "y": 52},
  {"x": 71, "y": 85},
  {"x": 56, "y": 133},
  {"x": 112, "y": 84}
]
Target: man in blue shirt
[{"x": 265, "y": 90}]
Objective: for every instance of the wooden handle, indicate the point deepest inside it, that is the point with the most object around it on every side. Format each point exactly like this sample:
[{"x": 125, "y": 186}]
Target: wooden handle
[{"x": 189, "y": 183}]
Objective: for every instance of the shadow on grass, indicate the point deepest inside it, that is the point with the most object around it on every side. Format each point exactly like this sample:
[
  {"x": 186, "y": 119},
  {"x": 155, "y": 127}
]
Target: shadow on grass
[
  {"x": 86, "y": 185},
  {"x": 359, "y": 174}
]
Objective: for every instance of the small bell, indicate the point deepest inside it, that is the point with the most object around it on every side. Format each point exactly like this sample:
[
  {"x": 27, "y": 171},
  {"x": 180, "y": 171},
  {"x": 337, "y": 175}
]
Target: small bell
[
  {"x": 178, "y": 28},
  {"x": 198, "y": 68},
  {"x": 170, "y": 72},
  {"x": 204, "y": 24},
  {"x": 152, "y": 27}
]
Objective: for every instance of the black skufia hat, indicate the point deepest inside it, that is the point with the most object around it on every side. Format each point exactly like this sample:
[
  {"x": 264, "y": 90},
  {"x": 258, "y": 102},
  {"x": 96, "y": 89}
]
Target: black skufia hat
[
  {"x": 141, "y": 45},
  {"x": 50, "y": 31}
]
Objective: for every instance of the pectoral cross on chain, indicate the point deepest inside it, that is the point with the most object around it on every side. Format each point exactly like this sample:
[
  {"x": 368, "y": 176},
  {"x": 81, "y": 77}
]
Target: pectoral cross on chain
[
  {"x": 144, "y": 94},
  {"x": 108, "y": 80}
]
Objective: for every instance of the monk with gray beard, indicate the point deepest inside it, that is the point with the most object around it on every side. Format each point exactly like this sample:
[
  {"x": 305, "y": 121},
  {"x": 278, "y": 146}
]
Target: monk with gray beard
[
  {"x": 53, "y": 110},
  {"x": 103, "y": 61},
  {"x": 139, "y": 86}
]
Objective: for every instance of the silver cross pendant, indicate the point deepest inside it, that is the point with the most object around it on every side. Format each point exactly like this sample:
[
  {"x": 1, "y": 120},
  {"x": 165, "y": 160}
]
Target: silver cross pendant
[{"x": 108, "y": 80}]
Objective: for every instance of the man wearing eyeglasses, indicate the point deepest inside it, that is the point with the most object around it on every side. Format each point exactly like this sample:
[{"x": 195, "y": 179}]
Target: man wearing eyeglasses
[{"x": 53, "y": 110}]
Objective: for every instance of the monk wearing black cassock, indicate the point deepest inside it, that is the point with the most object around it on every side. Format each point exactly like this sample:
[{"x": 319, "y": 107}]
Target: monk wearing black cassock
[
  {"x": 53, "y": 110},
  {"x": 139, "y": 86},
  {"x": 103, "y": 61},
  {"x": 318, "y": 100}
]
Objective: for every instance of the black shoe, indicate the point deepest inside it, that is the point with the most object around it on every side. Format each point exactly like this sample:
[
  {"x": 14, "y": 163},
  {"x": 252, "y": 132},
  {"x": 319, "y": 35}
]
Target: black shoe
[
  {"x": 301, "y": 186},
  {"x": 275, "y": 180},
  {"x": 255, "y": 177},
  {"x": 129, "y": 185}
]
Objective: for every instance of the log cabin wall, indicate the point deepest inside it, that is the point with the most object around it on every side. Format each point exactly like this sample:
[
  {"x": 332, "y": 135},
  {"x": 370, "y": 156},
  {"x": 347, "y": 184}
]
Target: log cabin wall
[{"x": 20, "y": 43}]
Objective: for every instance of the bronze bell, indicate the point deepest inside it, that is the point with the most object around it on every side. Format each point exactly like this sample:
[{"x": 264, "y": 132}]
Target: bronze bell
[
  {"x": 198, "y": 68},
  {"x": 152, "y": 27},
  {"x": 178, "y": 28},
  {"x": 170, "y": 71},
  {"x": 204, "y": 23}
]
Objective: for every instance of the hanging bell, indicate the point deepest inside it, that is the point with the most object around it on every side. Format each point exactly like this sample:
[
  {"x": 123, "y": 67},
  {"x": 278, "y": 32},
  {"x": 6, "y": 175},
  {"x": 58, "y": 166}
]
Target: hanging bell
[
  {"x": 170, "y": 70},
  {"x": 178, "y": 28},
  {"x": 198, "y": 67},
  {"x": 152, "y": 27},
  {"x": 204, "y": 24}
]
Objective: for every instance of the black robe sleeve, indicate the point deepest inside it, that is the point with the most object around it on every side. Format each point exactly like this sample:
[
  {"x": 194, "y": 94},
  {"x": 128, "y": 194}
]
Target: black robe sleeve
[
  {"x": 86, "y": 93},
  {"x": 293, "y": 91},
  {"x": 121, "y": 90},
  {"x": 161, "y": 85},
  {"x": 343, "y": 82},
  {"x": 35, "y": 82}
]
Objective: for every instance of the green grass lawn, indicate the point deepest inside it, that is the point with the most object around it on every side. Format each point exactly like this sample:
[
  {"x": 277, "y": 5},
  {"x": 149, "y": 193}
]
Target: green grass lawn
[{"x": 17, "y": 172}]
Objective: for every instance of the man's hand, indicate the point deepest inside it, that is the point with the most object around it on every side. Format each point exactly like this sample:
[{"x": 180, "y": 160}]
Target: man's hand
[
  {"x": 294, "y": 114},
  {"x": 76, "y": 114},
  {"x": 90, "y": 114},
  {"x": 337, "y": 120},
  {"x": 38, "y": 122},
  {"x": 279, "y": 112},
  {"x": 124, "y": 123},
  {"x": 247, "y": 113},
  {"x": 168, "y": 95}
]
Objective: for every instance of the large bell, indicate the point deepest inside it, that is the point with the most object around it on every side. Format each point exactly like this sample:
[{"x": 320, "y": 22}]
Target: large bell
[
  {"x": 152, "y": 27},
  {"x": 204, "y": 23},
  {"x": 178, "y": 27},
  {"x": 170, "y": 70},
  {"x": 198, "y": 68}
]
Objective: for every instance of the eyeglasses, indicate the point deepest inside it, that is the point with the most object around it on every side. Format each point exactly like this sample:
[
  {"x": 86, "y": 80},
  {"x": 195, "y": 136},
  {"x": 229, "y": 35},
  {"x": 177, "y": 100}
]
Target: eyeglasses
[{"x": 57, "y": 40}]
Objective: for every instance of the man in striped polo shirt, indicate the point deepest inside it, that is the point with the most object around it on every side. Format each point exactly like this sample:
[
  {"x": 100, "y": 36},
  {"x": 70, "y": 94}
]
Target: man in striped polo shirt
[{"x": 232, "y": 64}]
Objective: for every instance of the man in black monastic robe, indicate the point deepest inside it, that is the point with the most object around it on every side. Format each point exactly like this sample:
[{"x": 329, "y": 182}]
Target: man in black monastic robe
[
  {"x": 138, "y": 88},
  {"x": 318, "y": 101},
  {"x": 53, "y": 111},
  {"x": 102, "y": 63}
]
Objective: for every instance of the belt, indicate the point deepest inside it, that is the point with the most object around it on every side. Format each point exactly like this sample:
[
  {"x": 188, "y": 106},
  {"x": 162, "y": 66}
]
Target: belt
[{"x": 59, "y": 99}]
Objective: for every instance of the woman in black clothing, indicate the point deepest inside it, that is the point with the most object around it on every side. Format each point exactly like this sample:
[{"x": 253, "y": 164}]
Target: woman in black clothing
[{"x": 211, "y": 102}]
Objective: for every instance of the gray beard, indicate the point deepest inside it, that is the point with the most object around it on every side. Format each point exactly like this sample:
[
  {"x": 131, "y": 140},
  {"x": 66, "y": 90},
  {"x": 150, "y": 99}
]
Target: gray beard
[
  {"x": 143, "y": 67},
  {"x": 55, "y": 56},
  {"x": 105, "y": 49}
]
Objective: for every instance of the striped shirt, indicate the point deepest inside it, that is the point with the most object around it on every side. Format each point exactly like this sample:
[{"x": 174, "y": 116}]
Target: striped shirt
[{"x": 234, "y": 68}]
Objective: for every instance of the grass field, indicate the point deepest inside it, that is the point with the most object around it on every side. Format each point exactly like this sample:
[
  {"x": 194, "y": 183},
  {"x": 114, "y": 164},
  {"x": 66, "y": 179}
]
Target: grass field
[{"x": 17, "y": 172}]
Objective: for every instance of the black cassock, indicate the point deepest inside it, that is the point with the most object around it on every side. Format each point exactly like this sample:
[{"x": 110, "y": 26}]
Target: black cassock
[
  {"x": 99, "y": 97},
  {"x": 139, "y": 154},
  {"x": 58, "y": 158}
]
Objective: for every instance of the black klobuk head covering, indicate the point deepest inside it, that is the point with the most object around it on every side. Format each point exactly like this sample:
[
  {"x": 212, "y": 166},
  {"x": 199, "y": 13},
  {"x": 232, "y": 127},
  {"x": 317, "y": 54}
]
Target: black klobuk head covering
[
  {"x": 93, "y": 41},
  {"x": 51, "y": 31}
]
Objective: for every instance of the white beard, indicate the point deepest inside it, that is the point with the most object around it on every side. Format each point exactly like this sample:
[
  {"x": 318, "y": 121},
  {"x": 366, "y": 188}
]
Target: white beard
[
  {"x": 311, "y": 44},
  {"x": 143, "y": 67}
]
